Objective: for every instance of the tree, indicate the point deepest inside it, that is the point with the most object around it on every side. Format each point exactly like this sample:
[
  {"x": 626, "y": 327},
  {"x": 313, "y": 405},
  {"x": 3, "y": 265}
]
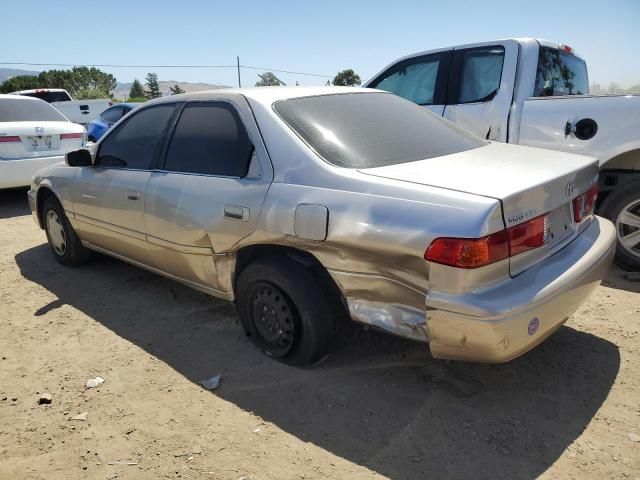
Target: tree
[
  {"x": 136, "y": 90},
  {"x": 268, "y": 79},
  {"x": 176, "y": 90},
  {"x": 79, "y": 79},
  {"x": 79, "y": 82},
  {"x": 21, "y": 82},
  {"x": 153, "y": 88},
  {"x": 346, "y": 78}
]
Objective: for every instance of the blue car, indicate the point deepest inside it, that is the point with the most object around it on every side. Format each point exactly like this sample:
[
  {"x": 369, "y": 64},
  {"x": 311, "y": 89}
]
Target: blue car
[{"x": 98, "y": 127}]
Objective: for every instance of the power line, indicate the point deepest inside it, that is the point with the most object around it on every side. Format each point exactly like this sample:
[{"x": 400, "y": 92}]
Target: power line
[{"x": 110, "y": 65}]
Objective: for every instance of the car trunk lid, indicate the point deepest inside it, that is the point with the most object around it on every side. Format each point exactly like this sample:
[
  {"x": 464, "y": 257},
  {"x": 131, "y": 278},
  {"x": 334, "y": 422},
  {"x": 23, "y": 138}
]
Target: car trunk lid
[
  {"x": 528, "y": 182},
  {"x": 36, "y": 139}
]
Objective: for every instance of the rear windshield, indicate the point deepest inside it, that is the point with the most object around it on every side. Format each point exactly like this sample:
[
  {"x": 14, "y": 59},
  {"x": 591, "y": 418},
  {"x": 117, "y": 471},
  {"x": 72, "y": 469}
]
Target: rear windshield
[
  {"x": 49, "y": 96},
  {"x": 23, "y": 110},
  {"x": 560, "y": 73},
  {"x": 363, "y": 130}
]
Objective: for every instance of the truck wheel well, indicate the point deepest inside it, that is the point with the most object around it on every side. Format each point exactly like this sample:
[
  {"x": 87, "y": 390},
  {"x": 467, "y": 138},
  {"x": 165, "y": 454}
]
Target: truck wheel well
[
  {"x": 246, "y": 255},
  {"x": 43, "y": 194}
]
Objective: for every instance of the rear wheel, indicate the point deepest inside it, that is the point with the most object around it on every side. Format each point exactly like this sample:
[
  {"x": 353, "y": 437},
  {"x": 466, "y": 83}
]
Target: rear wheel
[
  {"x": 63, "y": 240},
  {"x": 284, "y": 310},
  {"x": 622, "y": 207}
]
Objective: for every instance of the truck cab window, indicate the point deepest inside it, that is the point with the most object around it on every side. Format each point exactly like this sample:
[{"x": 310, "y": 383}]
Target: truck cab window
[
  {"x": 480, "y": 74},
  {"x": 416, "y": 79},
  {"x": 560, "y": 73}
]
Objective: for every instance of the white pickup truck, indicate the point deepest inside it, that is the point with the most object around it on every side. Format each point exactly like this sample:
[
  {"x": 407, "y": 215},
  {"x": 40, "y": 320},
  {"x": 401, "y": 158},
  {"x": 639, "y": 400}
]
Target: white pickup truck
[
  {"x": 77, "y": 111},
  {"x": 534, "y": 92}
]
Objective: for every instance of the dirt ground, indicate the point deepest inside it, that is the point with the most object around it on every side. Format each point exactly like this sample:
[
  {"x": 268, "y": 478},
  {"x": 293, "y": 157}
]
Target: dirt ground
[{"x": 379, "y": 407}]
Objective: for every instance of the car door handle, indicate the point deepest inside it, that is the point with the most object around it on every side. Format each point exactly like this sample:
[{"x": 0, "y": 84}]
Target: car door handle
[
  {"x": 236, "y": 212},
  {"x": 134, "y": 195}
]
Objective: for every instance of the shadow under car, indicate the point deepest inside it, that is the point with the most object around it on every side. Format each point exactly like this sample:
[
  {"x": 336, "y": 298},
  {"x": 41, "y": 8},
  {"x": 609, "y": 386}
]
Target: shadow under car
[{"x": 377, "y": 401}]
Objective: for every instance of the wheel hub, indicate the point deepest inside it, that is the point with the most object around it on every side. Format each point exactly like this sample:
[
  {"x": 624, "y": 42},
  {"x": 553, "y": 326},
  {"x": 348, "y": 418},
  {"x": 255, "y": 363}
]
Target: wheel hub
[
  {"x": 273, "y": 318},
  {"x": 57, "y": 237},
  {"x": 628, "y": 228}
]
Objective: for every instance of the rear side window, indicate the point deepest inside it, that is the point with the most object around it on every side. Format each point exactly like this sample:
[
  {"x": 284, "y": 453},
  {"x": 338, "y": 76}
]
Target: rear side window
[
  {"x": 112, "y": 115},
  {"x": 415, "y": 79},
  {"x": 209, "y": 139},
  {"x": 363, "y": 130},
  {"x": 560, "y": 73},
  {"x": 480, "y": 74},
  {"x": 133, "y": 144},
  {"x": 48, "y": 96},
  {"x": 23, "y": 110}
]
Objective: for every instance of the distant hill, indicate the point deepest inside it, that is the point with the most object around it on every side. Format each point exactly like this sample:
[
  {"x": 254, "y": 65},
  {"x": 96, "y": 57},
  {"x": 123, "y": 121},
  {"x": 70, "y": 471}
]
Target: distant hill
[
  {"x": 122, "y": 89},
  {"x": 7, "y": 73}
]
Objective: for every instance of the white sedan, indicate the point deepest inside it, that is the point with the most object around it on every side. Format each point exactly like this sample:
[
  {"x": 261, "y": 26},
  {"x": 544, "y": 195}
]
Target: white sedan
[{"x": 33, "y": 135}]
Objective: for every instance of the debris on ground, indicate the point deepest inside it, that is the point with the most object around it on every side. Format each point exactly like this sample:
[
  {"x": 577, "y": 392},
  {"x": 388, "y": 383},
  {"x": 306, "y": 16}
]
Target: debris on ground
[
  {"x": 211, "y": 383},
  {"x": 634, "y": 437},
  {"x": 95, "y": 382},
  {"x": 45, "y": 399},
  {"x": 81, "y": 417}
]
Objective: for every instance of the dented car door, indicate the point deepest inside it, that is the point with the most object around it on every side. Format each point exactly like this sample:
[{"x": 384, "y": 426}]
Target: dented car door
[{"x": 208, "y": 191}]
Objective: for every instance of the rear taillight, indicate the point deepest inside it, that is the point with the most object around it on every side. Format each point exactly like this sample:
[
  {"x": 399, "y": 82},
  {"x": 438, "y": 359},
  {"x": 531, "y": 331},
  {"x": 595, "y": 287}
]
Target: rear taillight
[
  {"x": 68, "y": 136},
  {"x": 584, "y": 205},
  {"x": 479, "y": 252},
  {"x": 468, "y": 252},
  {"x": 9, "y": 139},
  {"x": 529, "y": 235}
]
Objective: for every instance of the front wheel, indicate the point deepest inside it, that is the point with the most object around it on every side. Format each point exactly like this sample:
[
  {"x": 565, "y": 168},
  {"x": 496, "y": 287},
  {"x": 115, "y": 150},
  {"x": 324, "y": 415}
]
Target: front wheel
[
  {"x": 63, "y": 240},
  {"x": 285, "y": 310},
  {"x": 622, "y": 207}
]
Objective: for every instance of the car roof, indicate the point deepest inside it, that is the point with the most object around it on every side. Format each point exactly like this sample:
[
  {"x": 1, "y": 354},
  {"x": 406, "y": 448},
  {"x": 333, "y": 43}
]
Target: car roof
[
  {"x": 128, "y": 104},
  {"x": 264, "y": 95}
]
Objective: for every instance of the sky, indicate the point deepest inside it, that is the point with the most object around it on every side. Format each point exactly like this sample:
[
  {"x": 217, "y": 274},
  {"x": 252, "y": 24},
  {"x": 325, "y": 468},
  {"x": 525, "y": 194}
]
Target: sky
[{"x": 305, "y": 36}]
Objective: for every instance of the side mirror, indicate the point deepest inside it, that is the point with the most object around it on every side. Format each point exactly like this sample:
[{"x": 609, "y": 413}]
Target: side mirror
[{"x": 78, "y": 158}]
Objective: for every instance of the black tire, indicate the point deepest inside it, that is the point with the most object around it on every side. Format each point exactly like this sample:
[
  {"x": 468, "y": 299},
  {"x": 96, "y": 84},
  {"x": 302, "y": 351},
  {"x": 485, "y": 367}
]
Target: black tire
[
  {"x": 71, "y": 252},
  {"x": 285, "y": 310},
  {"x": 613, "y": 206}
]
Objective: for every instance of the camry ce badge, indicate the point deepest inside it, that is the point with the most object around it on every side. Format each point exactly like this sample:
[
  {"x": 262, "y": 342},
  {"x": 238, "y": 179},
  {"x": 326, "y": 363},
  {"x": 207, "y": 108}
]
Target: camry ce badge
[
  {"x": 39, "y": 130},
  {"x": 569, "y": 189}
]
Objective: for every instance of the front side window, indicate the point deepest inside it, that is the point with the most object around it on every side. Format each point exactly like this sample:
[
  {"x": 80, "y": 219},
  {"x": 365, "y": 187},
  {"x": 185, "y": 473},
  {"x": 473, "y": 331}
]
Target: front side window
[
  {"x": 209, "y": 139},
  {"x": 414, "y": 80},
  {"x": 112, "y": 115},
  {"x": 364, "y": 130},
  {"x": 480, "y": 74},
  {"x": 133, "y": 144},
  {"x": 560, "y": 73},
  {"x": 18, "y": 109}
]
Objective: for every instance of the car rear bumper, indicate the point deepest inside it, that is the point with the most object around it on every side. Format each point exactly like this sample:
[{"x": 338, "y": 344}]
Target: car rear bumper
[
  {"x": 503, "y": 322},
  {"x": 19, "y": 172}
]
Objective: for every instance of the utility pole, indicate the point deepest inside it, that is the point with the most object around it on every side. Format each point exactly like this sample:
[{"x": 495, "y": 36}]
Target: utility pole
[{"x": 238, "y": 63}]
